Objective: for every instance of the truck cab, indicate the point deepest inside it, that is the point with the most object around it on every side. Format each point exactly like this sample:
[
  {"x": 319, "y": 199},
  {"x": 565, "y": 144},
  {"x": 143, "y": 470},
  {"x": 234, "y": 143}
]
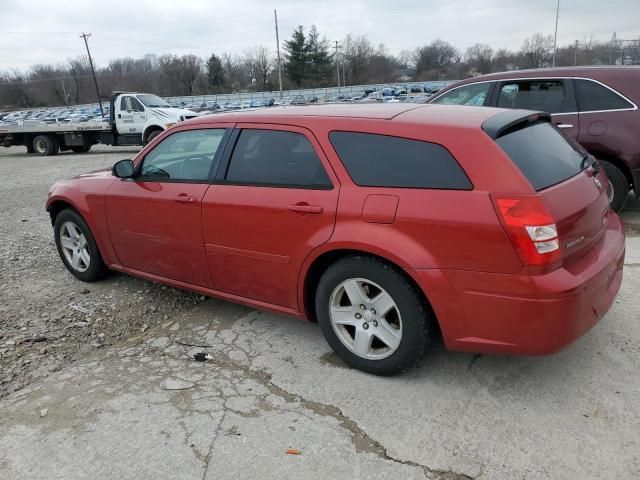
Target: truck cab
[{"x": 144, "y": 115}]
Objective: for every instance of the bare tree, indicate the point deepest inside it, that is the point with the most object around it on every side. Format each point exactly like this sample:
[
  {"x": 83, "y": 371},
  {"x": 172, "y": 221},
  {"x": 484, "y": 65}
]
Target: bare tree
[
  {"x": 259, "y": 62},
  {"x": 479, "y": 57},
  {"x": 357, "y": 51},
  {"x": 433, "y": 59},
  {"x": 537, "y": 49}
]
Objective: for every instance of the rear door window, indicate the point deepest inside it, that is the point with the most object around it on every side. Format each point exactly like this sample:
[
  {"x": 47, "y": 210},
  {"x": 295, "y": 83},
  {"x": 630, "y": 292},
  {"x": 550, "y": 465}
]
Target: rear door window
[
  {"x": 474, "y": 95},
  {"x": 545, "y": 95},
  {"x": 543, "y": 154},
  {"x": 276, "y": 158},
  {"x": 383, "y": 161},
  {"x": 593, "y": 97}
]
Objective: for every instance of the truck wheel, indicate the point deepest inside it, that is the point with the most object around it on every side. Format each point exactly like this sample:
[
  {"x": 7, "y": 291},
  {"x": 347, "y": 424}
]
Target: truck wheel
[
  {"x": 45, "y": 145},
  {"x": 82, "y": 149},
  {"x": 153, "y": 135},
  {"x": 619, "y": 184}
]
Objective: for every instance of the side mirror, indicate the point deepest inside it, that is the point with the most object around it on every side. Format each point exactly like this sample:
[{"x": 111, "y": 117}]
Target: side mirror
[{"x": 123, "y": 169}]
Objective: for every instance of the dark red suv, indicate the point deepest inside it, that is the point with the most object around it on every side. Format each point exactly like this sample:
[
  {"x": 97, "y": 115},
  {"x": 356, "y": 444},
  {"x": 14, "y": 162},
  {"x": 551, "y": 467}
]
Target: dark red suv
[
  {"x": 597, "y": 106},
  {"x": 387, "y": 224}
]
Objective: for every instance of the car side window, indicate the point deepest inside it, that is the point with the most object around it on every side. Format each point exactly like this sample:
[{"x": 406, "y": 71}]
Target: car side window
[
  {"x": 136, "y": 106},
  {"x": 188, "y": 156},
  {"x": 124, "y": 102},
  {"x": 276, "y": 158},
  {"x": 474, "y": 95},
  {"x": 374, "y": 160},
  {"x": 545, "y": 95},
  {"x": 593, "y": 97}
]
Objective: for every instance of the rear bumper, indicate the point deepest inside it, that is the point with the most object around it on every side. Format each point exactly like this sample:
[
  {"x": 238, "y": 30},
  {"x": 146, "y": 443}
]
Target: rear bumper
[{"x": 523, "y": 314}]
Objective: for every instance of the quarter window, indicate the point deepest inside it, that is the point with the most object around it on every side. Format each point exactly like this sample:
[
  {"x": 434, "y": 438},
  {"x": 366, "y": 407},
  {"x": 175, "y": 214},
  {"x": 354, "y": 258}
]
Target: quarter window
[
  {"x": 276, "y": 158},
  {"x": 545, "y": 95},
  {"x": 383, "y": 161},
  {"x": 474, "y": 95},
  {"x": 188, "y": 155},
  {"x": 594, "y": 97}
]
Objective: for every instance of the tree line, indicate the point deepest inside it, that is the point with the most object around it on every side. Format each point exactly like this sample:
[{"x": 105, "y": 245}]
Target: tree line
[{"x": 308, "y": 60}]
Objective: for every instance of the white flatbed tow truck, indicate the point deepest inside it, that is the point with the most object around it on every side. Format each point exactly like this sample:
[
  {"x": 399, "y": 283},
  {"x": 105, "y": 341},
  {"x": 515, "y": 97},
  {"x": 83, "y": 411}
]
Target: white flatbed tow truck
[{"x": 134, "y": 119}]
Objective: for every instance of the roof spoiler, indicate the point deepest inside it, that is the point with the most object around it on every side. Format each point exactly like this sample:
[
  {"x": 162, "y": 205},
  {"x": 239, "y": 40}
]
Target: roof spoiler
[{"x": 499, "y": 124}]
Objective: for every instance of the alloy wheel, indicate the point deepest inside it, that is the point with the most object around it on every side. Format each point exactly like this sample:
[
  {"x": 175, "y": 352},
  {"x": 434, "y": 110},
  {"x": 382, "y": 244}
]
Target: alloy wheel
[
  {"x": 75, "y": 246},
  {"x": 365, "y": 318}
]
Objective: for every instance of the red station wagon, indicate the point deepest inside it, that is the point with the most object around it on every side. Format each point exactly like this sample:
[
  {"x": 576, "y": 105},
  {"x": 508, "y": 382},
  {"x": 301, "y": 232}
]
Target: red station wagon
[
  {"x": 597, "y": 106},
  {"x": 386, "y": 224}
]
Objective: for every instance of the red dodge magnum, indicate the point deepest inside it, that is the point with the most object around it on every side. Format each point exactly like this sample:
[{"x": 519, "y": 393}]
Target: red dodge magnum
[{"x": 386, "y": 224}]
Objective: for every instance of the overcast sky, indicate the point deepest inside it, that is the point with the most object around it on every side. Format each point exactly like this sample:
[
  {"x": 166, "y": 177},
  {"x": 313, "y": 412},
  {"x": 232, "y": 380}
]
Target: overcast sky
[{"x": 46, "y": 31}]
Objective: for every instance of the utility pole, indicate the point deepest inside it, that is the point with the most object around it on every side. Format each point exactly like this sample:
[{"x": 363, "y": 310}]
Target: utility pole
[
  {"x": 555, "y": 36},
  {"x": 337, "y": 66},
  {"x": 84, "y": 36},
  {"x": 275, "y": 16},
  {"x": 575, "y": 54}
]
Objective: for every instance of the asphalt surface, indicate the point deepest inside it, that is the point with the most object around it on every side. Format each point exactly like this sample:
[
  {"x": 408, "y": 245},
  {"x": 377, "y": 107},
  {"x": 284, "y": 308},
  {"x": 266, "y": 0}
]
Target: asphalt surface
[{"x": 110, "y": 389}]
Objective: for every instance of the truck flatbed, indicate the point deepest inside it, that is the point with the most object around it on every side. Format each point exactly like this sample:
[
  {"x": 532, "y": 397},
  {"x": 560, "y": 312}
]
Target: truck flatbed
[{"x": 37, "y": 127}]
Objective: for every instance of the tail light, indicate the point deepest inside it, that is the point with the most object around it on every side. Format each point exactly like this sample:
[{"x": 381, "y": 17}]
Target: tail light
[{"x": 531, "y": 228}]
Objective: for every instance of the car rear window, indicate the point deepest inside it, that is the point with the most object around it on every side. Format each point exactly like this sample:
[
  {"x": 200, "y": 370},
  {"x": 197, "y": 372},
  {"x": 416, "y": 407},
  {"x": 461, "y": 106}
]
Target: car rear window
[
  {"x": 594, "y": 97},
  {"x": 384, "y": 161},
  {"x": 543, "y": 154}
]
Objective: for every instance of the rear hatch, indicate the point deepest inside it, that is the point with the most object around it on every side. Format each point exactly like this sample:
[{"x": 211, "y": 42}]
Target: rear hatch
[{"x": 572, "y": 185}]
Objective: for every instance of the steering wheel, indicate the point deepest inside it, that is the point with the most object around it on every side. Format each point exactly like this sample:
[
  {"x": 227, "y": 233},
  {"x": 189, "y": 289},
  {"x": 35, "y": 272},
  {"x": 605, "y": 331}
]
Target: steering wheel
[{"x": 195, "y": 167}]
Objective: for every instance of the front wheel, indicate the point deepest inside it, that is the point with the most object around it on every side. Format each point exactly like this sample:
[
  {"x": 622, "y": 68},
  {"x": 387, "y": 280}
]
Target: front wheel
[
  {"x": 372, "y": 316},
  {"x": 77, "y": 247}
]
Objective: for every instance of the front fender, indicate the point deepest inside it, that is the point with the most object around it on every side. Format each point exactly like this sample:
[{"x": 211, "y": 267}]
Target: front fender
[{"x": 90, "y": 204}]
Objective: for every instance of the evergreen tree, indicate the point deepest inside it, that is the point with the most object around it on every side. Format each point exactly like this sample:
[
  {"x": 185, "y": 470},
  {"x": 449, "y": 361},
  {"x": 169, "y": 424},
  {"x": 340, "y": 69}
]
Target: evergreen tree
[
  {"x": 215, "y": 73},
  {"x": 319, "y": 58},
  {"x": 296, "y": 56}
]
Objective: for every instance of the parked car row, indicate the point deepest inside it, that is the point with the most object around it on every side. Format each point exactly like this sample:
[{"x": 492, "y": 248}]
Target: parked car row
[{"x": 54, "y": 115}]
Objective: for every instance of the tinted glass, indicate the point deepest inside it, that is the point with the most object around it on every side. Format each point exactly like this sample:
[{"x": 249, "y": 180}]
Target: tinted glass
[
  {"x": 545, "y": 95},
  {"x": 593, "y": 97},
  {"x": 474, "y": 95},
  {"x": 543, "y": 154},
  {"x": 383, "y": 161},
  {"x": 187, "y": 155},
  {"x": 277, "y": 158}
]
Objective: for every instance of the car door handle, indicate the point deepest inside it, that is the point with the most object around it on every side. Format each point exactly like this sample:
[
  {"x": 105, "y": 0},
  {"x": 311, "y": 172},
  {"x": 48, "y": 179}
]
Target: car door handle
[
  {"x": 564, "y": 125},
  {"x": 184, "y": 198},
  {"x": 304, "y": 207}
]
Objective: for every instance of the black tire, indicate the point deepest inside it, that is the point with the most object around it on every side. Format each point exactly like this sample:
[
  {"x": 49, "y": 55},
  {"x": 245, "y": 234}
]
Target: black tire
[
  {"x": 81, "y": 149},
  {"x": 153, "y": 135},
  {"x": 416, "y": 318},
  {"x": 45, "y": 145},
  {"x": 619, "y": 183},
  {"x": 96, "y": 268}
]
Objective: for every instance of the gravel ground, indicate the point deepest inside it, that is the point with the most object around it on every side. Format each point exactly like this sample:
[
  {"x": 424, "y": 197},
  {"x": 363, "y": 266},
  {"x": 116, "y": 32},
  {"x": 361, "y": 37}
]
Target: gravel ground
[
  {"x": 47, "y": 318},
  {"x": 106, "y": 370}
]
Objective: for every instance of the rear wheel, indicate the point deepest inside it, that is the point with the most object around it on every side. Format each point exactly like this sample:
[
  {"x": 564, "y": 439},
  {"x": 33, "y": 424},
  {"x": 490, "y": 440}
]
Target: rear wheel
[
  {"x": 81, "y": 149},
  {"x": 45, "y": 145},
  {"x": 372, "y": 316},
  {"x": 619, "y": 185},
  {"x": 77, "y": 247}
]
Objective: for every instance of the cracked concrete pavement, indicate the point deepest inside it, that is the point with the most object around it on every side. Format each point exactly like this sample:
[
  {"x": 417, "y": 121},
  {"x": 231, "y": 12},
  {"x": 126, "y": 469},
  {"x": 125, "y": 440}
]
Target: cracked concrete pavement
[{"x": 143, "y": 408}]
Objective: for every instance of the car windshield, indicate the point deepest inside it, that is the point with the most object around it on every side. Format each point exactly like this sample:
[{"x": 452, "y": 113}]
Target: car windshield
[{"x": 152, "y": 101}]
